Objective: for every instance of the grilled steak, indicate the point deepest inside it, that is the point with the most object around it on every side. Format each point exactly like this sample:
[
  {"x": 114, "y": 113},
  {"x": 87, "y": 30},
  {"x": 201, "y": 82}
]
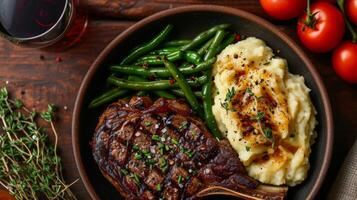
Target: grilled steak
[{"x": 160, "y": 150}]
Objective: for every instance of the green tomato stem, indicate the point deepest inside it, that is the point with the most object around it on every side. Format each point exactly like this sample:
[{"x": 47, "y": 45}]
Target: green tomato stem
[
  {"x": 341, "y": 4},
  {"x": 310, "y": 19}
]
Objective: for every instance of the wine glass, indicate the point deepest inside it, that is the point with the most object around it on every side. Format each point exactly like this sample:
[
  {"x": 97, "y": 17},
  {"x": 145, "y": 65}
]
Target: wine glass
[{"x": 57, "y": 24}]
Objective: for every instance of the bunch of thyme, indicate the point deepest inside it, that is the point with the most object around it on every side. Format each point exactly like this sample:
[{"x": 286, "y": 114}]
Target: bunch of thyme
[{"x": 29, "y": 165}]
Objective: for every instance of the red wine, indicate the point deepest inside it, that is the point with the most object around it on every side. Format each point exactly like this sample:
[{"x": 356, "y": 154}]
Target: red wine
[{"x": 29, "y": 18}]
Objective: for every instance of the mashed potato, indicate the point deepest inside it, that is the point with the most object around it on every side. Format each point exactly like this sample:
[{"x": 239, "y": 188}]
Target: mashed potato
[{"x": 265, "y": 112}]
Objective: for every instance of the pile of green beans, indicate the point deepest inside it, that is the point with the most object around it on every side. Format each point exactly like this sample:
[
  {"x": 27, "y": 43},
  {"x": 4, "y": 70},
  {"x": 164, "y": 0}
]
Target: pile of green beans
[{"x": 171, "y": 69}]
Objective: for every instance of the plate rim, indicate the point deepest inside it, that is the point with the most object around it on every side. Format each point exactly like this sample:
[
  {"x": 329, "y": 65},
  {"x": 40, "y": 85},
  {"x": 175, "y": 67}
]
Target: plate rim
[{"x": 201, "y": 8}]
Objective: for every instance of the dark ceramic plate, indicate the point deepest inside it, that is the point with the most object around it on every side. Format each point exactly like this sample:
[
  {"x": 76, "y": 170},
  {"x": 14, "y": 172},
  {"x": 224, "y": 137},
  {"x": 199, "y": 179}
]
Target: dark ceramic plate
[{"x": 188, "y": 21}]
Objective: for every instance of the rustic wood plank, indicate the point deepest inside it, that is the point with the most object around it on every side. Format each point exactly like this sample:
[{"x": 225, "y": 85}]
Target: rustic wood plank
[
  {"x": 39, "y": 82},
  {"x": 137, "y": 9}
]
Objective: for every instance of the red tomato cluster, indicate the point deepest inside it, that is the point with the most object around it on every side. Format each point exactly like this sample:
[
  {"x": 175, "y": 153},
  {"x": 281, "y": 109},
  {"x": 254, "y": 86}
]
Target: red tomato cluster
[{"x": 321, "y": 29}]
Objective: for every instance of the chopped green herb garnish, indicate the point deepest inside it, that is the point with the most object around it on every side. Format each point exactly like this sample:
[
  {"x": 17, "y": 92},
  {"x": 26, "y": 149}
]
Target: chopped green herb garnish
[
  {"x": 136, "y": 147},
  {"x": 247, "y": 148},
  {"x": 147, "y": 123},
  {"x": 174, "y": 141},
  {"x": 167, "y": 147},
  {"x": 267, "y": 63},
  {"x": 124, "y": 172},
  {"x": 151, "y": 162},
  {"x": 138, "y": 156},
  {"x": 161, "y": 147},
  {"x": 136, "y": 178},
  {"x": 193, "y": 133},
  {"x": 145, "y": 152},
  {"x": 162, "y": 162},
  {"x": 183, "y": 125},
  {"x": 156, "y": 138},
  {"x": 179, "y": 179},
  {"x": 158, "y": 187},
  {"x": 189, "y": 153}
]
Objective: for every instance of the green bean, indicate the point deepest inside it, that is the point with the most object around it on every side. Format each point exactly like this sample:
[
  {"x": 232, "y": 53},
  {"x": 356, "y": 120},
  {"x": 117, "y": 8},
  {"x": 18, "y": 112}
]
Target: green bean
[
  {"x": 192, "y": 57},
  {"x": 135, "y": 78},
  {"x": 185, "y": 87},
  {"x": 181, "y": 94},
  {"x": 200, "y": 52},
  {"x": 153, "y": 85},
  {"x": 176, "y": 43},
  {"x": 159, "y": 93},
  {"x": 161, "y": 72},
  {"x": 147, "y": 47},
  {"x": 207, "y": 107},
  {"x": 203, "y": 37},
  {"x": 207, "y": 88},
  {"x": 107, "y": 97},
  {"x": 164, "y": 51},
  {"x": 157, "y": 60},
  {"x": 227, "y": 41},
  {"x": 204, "y": 48},
  {"x": 212, "y": 50}
]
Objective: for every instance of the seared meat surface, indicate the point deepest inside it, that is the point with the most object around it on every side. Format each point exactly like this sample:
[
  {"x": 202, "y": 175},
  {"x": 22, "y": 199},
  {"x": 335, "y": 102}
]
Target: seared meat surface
[{"x": 160, "y": 150}]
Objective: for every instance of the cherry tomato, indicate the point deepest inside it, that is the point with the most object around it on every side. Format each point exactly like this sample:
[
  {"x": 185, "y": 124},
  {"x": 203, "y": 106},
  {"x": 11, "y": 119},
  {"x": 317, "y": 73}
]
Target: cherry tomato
[
  {"x": 330, "y": 1},
  {"x": 351, "y": 10},
  {"x": 327, "y": 31},
  {"x": 344, "y": 60},
  {"x": 283, "y": 9},
  {"x": 4, "y": 195}
]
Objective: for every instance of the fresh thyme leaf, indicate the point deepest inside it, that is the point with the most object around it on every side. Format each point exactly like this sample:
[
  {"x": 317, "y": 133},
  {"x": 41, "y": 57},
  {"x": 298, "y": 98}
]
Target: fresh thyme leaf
[
  {"x": 49, "y": 114},
  {"x": 29, "y": 165},
  {"x": 260, "y": 116},
  {"x": 158, "y": 187},
  {"x": 249, "y": 91},
  {"x": 225, "y": 106},
  {"x": 18, "y": 103},
  {"x": 230, "y": 94},
  {"x": 268, "y": 133}
]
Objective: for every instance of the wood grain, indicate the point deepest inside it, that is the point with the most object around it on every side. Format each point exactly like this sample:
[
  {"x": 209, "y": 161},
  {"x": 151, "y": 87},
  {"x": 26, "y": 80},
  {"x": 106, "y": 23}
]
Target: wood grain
[
  {"x": 137, "y": 9},
  {"x": 39, "y": 82}
]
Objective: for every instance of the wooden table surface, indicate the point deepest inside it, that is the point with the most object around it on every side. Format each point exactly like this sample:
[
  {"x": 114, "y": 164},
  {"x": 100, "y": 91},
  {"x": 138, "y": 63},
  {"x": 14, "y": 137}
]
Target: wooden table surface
[{"x": 41, "y": 81}]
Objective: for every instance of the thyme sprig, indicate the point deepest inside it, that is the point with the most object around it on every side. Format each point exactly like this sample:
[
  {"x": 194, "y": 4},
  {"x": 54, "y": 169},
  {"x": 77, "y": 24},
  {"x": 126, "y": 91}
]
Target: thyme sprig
[
  {"x": 229, "y": 96},
  {"x": 29, "y": 165},
  {"x": 266, "y": 131}
]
